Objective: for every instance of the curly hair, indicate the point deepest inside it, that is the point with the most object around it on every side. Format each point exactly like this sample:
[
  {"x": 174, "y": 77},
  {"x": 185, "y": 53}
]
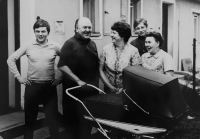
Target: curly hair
[
  {"x": 123, "y": 29},
  {"x": 157, "y": 36},
  {"x": 41, "y": 23}
]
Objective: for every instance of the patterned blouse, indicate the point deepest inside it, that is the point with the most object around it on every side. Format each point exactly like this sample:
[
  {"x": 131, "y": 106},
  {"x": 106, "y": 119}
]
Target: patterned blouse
[
  {"x": 115, "y": 61},
  {"x": 160, "y": 62}
]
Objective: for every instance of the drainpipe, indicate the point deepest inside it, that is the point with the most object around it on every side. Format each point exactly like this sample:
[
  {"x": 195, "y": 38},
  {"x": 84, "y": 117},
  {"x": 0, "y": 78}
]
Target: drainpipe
[{"x": 194, "y": 65}]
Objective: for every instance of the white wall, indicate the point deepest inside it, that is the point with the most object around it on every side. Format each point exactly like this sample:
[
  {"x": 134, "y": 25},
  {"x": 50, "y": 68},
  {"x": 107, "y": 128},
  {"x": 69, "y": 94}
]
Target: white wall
[
  {"x": 185, "y": 40},
  {"x": 27, "y": 14},
  {"x": 152, "y": 13},
  {"x": 64, "y": 10}
]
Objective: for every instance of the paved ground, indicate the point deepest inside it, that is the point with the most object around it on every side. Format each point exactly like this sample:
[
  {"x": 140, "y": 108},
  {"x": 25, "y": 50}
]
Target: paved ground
[{"x": 187, "y": 128}]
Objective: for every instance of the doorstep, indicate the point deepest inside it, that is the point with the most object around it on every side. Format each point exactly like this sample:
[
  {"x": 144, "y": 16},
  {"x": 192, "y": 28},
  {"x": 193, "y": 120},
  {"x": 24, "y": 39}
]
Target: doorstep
[{"x": 15, "y": 119}]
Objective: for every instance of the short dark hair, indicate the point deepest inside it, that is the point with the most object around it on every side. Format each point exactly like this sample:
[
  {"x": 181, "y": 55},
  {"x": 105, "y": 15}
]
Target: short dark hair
[
  {"x": 41, "y": 23},
  {"x": 123, "y": 29},
  {"x": 157, "y": 36},
  {"x": 76, "y": 25},
  {"x": 138, "y": 21}
]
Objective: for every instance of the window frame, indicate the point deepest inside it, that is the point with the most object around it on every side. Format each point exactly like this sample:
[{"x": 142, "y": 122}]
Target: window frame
[
  {"x": 194, "y": 13},
  {"x": 95, "y": 36},
  {"x": 195, "y": 25},
  {"x": 131, "y": 18}
]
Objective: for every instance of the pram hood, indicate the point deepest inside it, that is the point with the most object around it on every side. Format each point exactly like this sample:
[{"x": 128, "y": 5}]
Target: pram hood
[{"x": 156, "y": 93}]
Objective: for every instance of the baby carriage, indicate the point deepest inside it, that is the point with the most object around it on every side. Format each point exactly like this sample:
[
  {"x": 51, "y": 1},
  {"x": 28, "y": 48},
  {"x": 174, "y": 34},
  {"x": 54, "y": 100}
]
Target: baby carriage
[{"x": 150, "y": 106}]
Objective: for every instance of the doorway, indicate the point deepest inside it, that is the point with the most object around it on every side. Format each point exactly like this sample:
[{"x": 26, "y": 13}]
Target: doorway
[
  {"x": 168, "y": 22},
  {"x": 4, "y": 99},
  {"x": 10, "y": 90},
  {"x": 165, "y": 25}
]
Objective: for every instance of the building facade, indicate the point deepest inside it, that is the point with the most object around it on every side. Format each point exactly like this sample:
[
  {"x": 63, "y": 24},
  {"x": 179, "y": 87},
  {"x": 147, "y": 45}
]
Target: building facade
[{"x": 177, "y": 20}]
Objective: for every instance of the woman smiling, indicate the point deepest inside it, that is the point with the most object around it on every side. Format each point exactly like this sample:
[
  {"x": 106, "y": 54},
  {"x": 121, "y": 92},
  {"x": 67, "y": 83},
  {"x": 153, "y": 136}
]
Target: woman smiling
[
  {"x": 116, "y": 56},
  {"x": 156, "y": 59}
]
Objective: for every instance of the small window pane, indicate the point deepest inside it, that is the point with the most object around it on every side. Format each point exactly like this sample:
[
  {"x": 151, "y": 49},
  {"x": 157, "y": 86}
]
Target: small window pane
[
  {"x": 195, "y": 27},
  {"x": 91, "y": 10},
  {"x": 135, "y": 12}
]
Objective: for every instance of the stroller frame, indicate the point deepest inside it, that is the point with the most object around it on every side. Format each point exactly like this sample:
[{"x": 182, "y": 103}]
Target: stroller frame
[{"x": 136, "y": 130}]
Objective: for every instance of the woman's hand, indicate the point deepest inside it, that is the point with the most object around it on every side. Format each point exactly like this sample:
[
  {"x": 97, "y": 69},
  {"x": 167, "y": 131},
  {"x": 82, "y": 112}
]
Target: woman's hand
[
  {"x": 113, "y": 90},
  {"x": 119, "y": 90}
]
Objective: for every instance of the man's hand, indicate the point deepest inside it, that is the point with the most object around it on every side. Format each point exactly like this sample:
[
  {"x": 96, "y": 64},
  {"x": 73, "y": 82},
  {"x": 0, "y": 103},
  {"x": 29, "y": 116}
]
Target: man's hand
[
  {"x": 24, "y": 81},
  {"x": 81, "y": 83}
]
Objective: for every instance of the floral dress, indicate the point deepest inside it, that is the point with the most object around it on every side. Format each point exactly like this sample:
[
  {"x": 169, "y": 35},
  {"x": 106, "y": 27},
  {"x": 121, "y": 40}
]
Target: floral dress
[{"x": 115, "y": 61}]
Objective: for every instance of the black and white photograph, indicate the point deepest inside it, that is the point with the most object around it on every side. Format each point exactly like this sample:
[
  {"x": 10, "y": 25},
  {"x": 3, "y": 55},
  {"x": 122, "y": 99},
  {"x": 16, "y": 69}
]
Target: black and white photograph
[{"x": 100, "y": 69}]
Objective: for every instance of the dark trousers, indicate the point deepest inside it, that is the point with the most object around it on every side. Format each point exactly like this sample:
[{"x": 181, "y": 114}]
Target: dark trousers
[
  {"x": 36, "y": 94},
  {"x": 73, "y": 113}
]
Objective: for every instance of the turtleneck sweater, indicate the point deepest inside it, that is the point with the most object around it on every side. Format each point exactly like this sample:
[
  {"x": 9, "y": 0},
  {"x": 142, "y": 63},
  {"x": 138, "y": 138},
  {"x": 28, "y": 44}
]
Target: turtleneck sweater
[
  {"x": 41, "y": 60},
  {"x": 139, "y": 43},
  {"x": 81, "y": 56}
]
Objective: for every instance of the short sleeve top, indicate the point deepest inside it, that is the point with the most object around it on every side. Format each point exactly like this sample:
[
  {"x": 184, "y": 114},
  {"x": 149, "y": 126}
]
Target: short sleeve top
[
  {"x": 160, "y": 62},
  {"x": 115, "y": 61}
]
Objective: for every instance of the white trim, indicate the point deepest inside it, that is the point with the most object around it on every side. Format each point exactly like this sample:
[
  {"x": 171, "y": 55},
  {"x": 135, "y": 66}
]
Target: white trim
[
  {"x": 23, "y": 60},
  {"x": 101, "y": 18},
  {"x": 32, "y": 18},
  {"x": 192, "y": 23},
  {"x": 81, "y": 8},
  {"x": 129, "y": 19},
  {"x": 195, "y": 10},
  {"x": 168, "y": 1},
  {"x": 142, "y": 8}
]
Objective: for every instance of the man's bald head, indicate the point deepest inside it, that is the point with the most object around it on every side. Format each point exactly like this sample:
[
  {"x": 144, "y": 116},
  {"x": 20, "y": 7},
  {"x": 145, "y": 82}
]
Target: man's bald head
[
  {"x": 83, "y": 26},
  {"x": 81, "y": 19}
]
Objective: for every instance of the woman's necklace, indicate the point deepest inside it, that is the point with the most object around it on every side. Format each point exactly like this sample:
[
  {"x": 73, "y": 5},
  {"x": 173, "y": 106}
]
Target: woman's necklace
[{"x": 118, "y": 55}]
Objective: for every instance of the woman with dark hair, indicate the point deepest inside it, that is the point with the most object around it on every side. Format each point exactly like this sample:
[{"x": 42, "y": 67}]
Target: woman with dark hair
[
  {"x": 116, "y": 56},
  {"x": 140, "y": 27},
  {"x": 156, "y": 59}
]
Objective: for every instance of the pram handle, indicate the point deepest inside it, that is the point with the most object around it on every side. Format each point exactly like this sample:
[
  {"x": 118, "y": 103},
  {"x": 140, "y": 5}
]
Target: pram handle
[
  {"x": 72, "y": 88},
  {"x": 75, "y": 87}
]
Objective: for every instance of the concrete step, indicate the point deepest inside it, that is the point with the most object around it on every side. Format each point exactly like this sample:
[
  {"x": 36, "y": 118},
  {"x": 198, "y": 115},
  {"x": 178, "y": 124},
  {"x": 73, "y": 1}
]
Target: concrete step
[
  {"x": 15, "y": 119},
  {"x": 12, "y": 126},
  {"x": 41, "y": 133}
]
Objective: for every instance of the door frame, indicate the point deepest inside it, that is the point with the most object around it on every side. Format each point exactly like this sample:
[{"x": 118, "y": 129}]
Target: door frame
[{"x": 172, "y": 49}]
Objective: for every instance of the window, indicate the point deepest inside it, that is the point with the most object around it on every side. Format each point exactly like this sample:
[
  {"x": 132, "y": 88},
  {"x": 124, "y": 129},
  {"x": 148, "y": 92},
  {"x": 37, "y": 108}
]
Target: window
[
  {"x": 93, "y": 10},
  {"x": 135, "y": 12}
]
